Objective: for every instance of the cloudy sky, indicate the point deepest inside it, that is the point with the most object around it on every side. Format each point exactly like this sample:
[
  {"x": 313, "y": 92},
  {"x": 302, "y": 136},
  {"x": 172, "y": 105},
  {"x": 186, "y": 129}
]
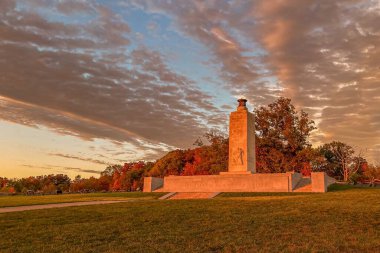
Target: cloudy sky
[{"x": 84, "y": 84}]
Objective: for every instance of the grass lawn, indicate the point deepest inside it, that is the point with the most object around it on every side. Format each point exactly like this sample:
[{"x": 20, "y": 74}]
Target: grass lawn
[
  {"x": 338, "y": 221},
  {"x": 20, "y": 200}
]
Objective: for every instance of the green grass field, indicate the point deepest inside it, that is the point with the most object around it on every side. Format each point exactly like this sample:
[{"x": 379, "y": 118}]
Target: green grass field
[{"x": 338, "y": 221}]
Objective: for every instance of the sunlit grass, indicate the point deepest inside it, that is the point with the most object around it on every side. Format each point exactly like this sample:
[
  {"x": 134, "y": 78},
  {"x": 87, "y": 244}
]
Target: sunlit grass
[
  {"x": 21, "y": 200},
  {"x": 340, "y": 221}
]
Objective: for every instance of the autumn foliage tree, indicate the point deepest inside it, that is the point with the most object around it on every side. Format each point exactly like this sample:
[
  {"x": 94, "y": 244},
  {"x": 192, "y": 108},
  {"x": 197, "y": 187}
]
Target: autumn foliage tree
[
  {"x": 3, "y": 182},
  {"x": 282, "y": 137},
  {"x": 371, "y": 174},
  {"x": 6, "y": 186},
  {"x": 130, "y": 177},
  {"x": 205, "y": 159},
  {"x": 170, "y": 164},
  {"x": 208, "y": 159}
]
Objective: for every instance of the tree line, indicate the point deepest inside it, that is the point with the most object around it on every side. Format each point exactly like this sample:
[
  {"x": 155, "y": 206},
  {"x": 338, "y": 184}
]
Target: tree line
[{"x": 282, "y": 145}]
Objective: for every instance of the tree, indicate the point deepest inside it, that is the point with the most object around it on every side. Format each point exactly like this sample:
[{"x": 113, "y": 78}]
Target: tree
[
  {"x": 3, "y": 182},
  {"x": 281, "y": 135},
  {"x": 116, "y": 184},
  {"x": 207, "y": 159},
  {"x": 109, "y": 171},
  {"x": 49, "y": 189},
  {"x": 341, "y": 161},
  {"x": 170, "y": 164},
  {"x": 372, "y": 174},
  {"x": 62, "y": 182}
]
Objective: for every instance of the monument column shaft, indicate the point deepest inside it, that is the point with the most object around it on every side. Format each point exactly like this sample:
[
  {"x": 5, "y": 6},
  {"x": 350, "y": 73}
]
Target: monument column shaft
[{"x": 242, "y": 142}]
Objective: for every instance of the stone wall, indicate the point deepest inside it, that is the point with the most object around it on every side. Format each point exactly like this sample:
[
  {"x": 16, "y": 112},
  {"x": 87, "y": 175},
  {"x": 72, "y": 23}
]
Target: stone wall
[
  {"x": 320, "y": 181},
  {"x": 276, "y": 182},
  {"x": 294, "y": 179},
  {"x": 152, "y": 183},
  {"x": 228, "y": 183}
]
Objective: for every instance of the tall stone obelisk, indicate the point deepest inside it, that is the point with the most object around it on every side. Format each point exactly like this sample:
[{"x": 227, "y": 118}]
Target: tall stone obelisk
[{"x": 242, "y": 141}]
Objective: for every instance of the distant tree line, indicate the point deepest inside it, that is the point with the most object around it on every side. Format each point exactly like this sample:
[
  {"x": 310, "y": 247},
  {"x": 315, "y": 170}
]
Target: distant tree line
[
  {"x": 47, "y": 184},
  {"x": 282, "y": 145}
]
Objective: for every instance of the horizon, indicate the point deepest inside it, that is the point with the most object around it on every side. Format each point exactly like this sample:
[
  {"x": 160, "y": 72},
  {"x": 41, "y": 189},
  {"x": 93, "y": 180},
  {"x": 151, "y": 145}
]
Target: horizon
[{"x": 85, "y": 84}]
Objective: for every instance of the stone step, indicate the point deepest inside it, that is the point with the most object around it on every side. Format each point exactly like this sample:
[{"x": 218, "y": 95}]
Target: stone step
[
  {"x": 168, "y": 195},
  {"x": 194, "y": 195}
]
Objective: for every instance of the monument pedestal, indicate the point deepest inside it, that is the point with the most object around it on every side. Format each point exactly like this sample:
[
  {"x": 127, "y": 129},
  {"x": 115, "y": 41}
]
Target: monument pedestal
[{"x": 244, "y": 173}]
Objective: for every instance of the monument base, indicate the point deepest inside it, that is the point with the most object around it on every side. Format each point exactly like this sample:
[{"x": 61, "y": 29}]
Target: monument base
[
  {"x": 231, "y": 182},
  {"x": 235, "y": 173}
]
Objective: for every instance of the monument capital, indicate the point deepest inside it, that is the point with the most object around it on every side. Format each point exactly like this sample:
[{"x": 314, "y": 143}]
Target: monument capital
[{"x": 242, "y": 104}]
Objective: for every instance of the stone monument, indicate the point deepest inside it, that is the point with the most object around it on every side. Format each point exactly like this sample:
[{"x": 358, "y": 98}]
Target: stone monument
[
  {"x": 242, "y": 141},
  {"x": 241, "y": 175}
]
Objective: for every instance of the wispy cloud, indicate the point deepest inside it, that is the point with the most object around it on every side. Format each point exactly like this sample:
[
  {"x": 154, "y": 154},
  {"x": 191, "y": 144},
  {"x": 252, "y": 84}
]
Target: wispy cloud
[
  {"x": 74, "y": 79},
  {"x": 80, "y": 158},
  {"x": 61, "y": 168}
]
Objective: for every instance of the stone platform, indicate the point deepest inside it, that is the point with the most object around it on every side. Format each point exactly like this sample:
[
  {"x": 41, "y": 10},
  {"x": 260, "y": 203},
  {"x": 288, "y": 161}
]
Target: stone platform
[{"x": 230, "y": 182}]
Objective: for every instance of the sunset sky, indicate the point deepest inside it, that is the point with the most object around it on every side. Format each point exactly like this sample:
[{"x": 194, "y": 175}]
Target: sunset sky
[{"x": 84, "y": 84}]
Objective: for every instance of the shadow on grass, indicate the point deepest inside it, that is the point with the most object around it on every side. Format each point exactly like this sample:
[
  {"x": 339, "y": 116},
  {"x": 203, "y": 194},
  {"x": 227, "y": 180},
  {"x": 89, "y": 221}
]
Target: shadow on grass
[
  {"x": 340, "y": 187},
  {"x": 259, "y": 194},
  {"x": 347, "y": 187},
  {"x": 331, "y": 188}
]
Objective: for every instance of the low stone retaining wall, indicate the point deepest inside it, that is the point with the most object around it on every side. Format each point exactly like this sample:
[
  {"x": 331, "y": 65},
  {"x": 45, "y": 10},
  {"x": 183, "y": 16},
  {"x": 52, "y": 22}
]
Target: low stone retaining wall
[
  {"x": 279, "y": 182},
  {"x": 229, "y": 182}
]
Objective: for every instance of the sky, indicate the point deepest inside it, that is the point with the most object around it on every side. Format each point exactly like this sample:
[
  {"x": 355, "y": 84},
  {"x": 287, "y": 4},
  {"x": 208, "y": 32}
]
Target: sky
[{"x": 86, "y": 84}]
